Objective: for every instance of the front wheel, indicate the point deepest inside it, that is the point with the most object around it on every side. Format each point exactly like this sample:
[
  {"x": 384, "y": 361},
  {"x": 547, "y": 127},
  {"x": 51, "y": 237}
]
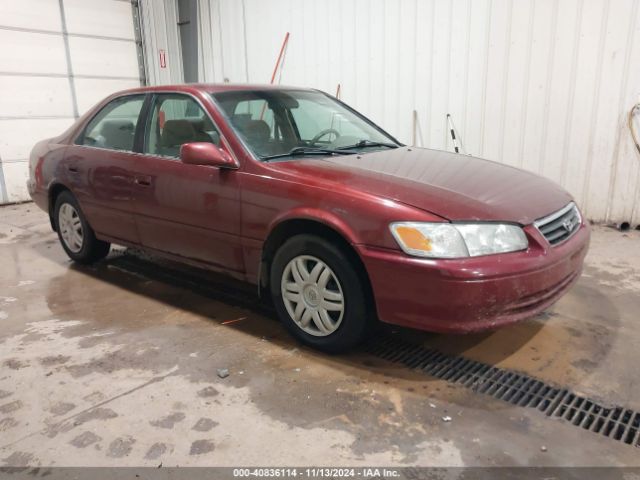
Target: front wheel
[
  {"x": 75, "y": 234},
  {"x": 319, "y": 295}
]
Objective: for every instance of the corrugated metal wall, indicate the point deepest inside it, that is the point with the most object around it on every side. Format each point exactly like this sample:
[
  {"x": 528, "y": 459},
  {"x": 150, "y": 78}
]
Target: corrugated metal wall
[{"x": 540, "y": 84}]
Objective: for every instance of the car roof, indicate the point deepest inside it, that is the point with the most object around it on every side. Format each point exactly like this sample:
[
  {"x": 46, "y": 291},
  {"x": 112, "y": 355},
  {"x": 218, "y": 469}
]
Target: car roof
[{"x": 211, "y": 88}]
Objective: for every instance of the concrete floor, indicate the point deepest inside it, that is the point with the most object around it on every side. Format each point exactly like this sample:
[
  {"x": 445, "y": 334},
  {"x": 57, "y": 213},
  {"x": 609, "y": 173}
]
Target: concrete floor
[{"x": 111, "y": 365}]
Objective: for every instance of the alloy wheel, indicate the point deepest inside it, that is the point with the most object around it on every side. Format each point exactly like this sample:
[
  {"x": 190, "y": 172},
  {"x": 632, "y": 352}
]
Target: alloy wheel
[
  {"x": 312, "y": 295},
  {"x": 70, "y": 227}
]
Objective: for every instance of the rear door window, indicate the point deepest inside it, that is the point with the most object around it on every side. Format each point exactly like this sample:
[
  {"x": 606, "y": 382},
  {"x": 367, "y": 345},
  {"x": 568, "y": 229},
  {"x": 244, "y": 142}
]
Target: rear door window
[{"x": 114, "y": 126}]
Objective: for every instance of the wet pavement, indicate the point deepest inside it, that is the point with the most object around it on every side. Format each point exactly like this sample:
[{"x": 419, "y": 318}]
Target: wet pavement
[{"x": 117, "y": 364}]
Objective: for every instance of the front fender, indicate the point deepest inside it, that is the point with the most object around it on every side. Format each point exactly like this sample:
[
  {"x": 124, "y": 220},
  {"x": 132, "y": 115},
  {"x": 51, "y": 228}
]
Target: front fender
[{"x": 329, "y": 218}]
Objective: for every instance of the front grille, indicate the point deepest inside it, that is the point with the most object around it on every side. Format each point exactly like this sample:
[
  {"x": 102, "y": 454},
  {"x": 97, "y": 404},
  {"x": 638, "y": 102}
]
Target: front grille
[
  {"x": 531, "y": 302},
  {"x": 561, "y": 225}
]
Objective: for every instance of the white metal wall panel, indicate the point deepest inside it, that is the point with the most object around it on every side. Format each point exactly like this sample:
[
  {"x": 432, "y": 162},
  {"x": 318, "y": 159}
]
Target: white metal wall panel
[
  {"x": 35, "y": 96},
  {"x": 31, "y": 14},
  {"x": 90, "y": 91},
  {"x": 538, "y": 84},
  {"x": 39, "y": 96},
  {"x": 160, "y": 33},
  {"x": 23, "y": 132},
  {"x": 103, "y": 58},
  {"x": 15, "y": 174},
  {"x": 26, "y": 52},
  {"x": 100, "y": 18}
]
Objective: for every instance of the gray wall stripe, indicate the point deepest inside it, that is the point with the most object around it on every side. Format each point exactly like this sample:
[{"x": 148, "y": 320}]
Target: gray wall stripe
[
  {"x": 72, "y": 83},
  {"x": 64, "y": 75},
  {"x": 35, "y": 117},
  {"x": 65, "y": 33}
]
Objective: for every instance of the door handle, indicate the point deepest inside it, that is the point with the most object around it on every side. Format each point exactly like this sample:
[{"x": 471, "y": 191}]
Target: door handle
[{"x": 143, "y": 180}]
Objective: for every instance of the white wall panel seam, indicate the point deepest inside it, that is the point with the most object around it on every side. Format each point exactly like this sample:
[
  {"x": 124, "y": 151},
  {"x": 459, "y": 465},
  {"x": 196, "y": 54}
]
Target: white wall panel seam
[
  {"x": 36, "y": 117},
  {"x": 485, "y": 76},
  {"x": 383, "y": 83},
  {"x": 505, "y": 78},
  {"x": 414, "y": 80},
  {"x": 148, "y": 16},
  {"x": 62, "y": 75},
  {"x": 200, "y": 14},
  {"x": 526, "y": 85},
  {"x": 447, "y": 96},
  {"x": 572, "y": 81},
  {"x": 547, "y": 103},
  {"x": 219, "y": 19},
  {"x": 72, "y": 87},
  {"x": 399, "y": 77},
  {"x": 461, "y": 123},
  {"x": 177, "y": 47},
  {"x": 430, "y": 90},
  {"x": 62, "y": 33},
  {"x": 595, "y": 109},
  {"x": 244, "y": 37}
]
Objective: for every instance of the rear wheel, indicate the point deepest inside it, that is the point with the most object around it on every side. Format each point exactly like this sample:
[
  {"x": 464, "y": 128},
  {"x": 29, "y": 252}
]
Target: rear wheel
[
  {"x": 319, "y": 295},
  {"x": 75, "y": 234}
]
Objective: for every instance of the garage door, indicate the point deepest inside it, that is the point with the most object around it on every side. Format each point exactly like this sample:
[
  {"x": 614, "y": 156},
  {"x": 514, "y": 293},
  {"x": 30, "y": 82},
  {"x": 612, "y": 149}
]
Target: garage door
[{"x": 57, "y": 59}]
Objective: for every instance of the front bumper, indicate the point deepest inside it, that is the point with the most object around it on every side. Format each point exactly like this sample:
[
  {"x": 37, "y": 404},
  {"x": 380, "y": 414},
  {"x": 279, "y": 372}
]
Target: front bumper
[{"x": 473, "y": 294}]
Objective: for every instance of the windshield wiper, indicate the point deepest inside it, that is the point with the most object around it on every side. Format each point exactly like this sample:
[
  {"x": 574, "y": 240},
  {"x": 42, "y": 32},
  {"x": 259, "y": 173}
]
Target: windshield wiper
[
  {"x": 368, "y": 143},
  {"x": 309, "y": 151}
]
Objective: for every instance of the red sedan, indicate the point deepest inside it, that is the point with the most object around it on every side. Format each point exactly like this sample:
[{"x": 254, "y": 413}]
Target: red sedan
[{"x": 292, "y": 190}]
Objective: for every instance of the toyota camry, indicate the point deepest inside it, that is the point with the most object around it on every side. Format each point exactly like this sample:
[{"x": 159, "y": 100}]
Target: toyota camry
[{"x": 332, "y": 218}]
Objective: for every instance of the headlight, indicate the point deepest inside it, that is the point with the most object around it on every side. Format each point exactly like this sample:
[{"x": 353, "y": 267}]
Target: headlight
[{"x": 457, "y": 240}]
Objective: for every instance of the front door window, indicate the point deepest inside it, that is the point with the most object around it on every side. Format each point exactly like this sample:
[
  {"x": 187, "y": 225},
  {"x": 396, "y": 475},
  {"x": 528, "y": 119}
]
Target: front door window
[{"x": 177, "y": 119}]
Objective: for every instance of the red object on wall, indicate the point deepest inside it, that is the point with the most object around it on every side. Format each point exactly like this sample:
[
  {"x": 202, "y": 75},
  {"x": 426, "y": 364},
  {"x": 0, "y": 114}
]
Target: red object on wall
[
  {"x": 163, "y": 58},
  {"x": 280, "y": 57}
]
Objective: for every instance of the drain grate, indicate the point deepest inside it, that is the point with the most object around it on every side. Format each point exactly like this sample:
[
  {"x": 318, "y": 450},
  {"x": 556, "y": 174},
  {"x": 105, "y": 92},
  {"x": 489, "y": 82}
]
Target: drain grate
[{"x": 516, "y": 388}]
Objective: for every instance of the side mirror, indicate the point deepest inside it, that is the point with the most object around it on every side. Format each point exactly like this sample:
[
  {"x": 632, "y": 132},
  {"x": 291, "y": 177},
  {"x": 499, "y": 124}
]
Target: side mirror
[{"x": 205, "y": 153}]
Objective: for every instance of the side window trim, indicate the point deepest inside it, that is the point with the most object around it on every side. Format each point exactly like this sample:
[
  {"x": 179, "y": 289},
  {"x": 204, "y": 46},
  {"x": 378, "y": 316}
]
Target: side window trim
[
  {"x": 79, "y": 140},
  {"x": 153, "y": 98},
  {"x": 139, "y": 137}
]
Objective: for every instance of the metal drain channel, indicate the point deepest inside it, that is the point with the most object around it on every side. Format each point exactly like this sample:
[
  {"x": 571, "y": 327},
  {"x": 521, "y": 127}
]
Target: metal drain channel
[{"x": 516, "y": 388}]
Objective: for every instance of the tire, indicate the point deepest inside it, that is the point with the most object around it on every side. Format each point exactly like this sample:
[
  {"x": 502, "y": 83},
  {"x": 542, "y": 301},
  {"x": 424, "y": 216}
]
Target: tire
[
  {"x": 332, "y": 282},
  {"x": 75, "y": 234}
]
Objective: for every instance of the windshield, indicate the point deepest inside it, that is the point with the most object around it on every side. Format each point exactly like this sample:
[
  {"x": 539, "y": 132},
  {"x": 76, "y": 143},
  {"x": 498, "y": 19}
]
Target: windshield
[{"x": 275, "y": 123}]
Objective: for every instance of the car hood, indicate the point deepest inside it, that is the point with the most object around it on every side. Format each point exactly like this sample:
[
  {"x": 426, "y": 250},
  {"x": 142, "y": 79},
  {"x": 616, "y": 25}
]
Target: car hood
[{"x": 455, "y": 187}]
